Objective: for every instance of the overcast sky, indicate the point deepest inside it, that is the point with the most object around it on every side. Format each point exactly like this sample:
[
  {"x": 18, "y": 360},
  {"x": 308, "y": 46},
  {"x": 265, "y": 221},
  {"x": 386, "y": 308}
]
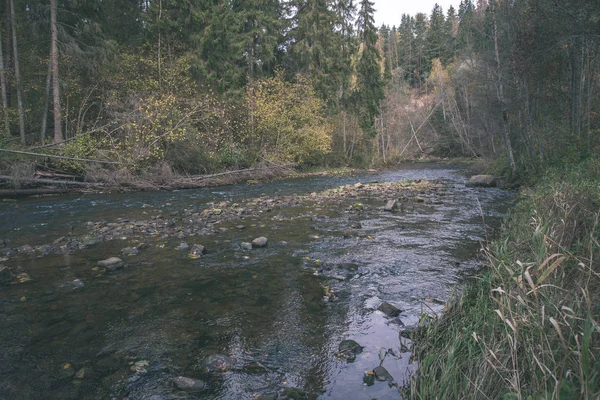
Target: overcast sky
[{"x": 389, "y": 11}]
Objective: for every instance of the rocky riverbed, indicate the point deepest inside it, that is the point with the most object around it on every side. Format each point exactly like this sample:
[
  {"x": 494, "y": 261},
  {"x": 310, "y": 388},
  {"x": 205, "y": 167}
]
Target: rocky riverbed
[{"x": 273, "y": 295}]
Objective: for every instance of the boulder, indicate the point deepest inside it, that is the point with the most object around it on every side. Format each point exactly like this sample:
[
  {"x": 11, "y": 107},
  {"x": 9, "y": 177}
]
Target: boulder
[
  {"x": 246, "y": 245},
  {"x": 188, "y": 384},
  {"x": 481, "y": 181},
  {"x": 391, "y": 206},
  {"x": 260, "y": 242},
  {"x": 389, "y": 310},
  {"x": 111, "y": 264}
]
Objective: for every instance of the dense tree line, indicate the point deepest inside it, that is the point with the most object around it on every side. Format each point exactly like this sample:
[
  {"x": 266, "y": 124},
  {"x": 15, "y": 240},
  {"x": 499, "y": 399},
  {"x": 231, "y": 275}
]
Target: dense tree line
[{"x": 187, "y": 82}]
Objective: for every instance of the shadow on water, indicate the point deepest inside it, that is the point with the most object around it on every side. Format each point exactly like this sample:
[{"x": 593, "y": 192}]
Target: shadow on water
[{"x": 277, "y": 312}]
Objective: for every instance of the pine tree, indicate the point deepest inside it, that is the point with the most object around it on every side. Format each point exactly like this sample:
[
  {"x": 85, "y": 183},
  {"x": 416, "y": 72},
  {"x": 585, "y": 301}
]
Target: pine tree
[{"x": 369, "y": 81}]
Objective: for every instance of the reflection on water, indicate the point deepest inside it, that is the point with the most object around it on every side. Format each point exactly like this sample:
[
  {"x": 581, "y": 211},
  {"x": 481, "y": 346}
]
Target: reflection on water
[{"x": 128, "y": 333}]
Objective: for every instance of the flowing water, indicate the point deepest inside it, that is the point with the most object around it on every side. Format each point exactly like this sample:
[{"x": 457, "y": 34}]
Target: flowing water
[{"x": 277, "y": 312}]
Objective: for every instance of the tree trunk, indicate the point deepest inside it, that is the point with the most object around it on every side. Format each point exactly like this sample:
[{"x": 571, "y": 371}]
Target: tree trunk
[
  {"x": 17, "y": 73},
  {"x": 3, "y": 90},
  {"x": 46, "y": 101},
  {"x": 58, "y": 135},
  {"x": 501, "y": 98}
]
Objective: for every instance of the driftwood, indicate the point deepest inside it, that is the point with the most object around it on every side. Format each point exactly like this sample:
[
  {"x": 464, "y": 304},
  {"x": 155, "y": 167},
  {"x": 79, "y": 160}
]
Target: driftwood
[
  {"x": 59, "y": 157},
  {"x": 50, "y": 181}
]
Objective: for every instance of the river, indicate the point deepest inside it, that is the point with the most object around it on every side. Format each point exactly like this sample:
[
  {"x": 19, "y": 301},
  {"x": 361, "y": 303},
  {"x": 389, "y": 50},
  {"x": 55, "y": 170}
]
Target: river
[{"x": 278, "y": 313}]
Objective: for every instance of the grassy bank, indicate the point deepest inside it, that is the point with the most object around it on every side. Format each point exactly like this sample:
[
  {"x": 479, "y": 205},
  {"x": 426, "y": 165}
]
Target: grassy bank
[{"x": 527, "y": 328}]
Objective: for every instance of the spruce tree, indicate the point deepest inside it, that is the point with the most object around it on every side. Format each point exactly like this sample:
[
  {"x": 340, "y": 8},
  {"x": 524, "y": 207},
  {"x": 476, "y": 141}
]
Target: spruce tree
[{"x": 369, "y": 81}]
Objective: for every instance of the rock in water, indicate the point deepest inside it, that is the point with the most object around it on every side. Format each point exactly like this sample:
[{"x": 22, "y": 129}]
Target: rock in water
[
  {"x": 188, "y": 384},
  {"x": 389, "y": 310},
  {"x": 182, "y": 246},
  {"x": 76, "y": 284},
  {"x": 111, "y": 264},
  {"x": 391, "y": 206},
  {"x": 369, "y": 378},
  {"x": 382, "y": 374},
  {"x": 348, "y": 349},
  {"x": 197, "y": 251},
  {"x": 481, "y": 181},
  {"x": 246, "y": 245},
  {"x": 129, "y": 251},
  {"x": 260, "y": 242}
]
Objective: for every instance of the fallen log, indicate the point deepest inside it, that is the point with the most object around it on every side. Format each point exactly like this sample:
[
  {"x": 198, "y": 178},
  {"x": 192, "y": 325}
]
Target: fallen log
[
  {"x": 47, "y": 174},
  {"x": 28, "y": 153},
  {"x": 8, "y": 193},
  {"x": 241, "y": 171},
  {"x": 49, "y": 181}
]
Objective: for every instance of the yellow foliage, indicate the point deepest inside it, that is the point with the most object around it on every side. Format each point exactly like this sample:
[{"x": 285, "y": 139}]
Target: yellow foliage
[{"x": 287, "y": 119}]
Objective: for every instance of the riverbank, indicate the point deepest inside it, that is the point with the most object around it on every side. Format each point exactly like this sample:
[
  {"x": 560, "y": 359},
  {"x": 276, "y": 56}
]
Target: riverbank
[
  {"x": 23, "y": 180},
  {"x": 527, "y": 328}
]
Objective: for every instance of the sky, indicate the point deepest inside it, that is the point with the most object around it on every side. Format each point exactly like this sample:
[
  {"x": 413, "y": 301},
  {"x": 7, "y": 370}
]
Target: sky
[{"x": 389, "y": 11}]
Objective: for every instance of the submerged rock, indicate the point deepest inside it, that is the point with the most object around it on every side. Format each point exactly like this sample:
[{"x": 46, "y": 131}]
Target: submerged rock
[
  {"x": 481, "y": 181},
  {"x": 111, "y": 264},
  {"x": 188, "y": 384},
  {"x": 293, "y": 394},
  {"x": 389, "y": 310},
  {"x": 246, "y": 245},
  {"x": 260, "y": 242},
  {"x": 348, "y": 349},
  {"x": 217, "y": 362},
  {"x": 5, "y": 276}
]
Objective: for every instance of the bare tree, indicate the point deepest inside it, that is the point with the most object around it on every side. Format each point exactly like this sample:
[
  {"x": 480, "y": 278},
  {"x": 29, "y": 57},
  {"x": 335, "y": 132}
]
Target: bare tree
[{"x": 3, "y": 90}]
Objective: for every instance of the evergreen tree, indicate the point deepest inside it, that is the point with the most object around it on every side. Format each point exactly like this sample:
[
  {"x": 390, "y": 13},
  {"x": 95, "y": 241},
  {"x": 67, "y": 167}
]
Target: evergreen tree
[
  {"x": 369, "y": 81},
  {"x": 436, "y": 36}
]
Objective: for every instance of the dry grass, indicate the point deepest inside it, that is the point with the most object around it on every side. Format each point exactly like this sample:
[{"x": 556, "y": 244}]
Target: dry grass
[{"x": 529, "y": 327}]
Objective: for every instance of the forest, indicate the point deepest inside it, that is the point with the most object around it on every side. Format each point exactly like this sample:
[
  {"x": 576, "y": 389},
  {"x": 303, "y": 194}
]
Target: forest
[
  {"x": 206, "y": 86},
  {"x": 148, "y": 92}
]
